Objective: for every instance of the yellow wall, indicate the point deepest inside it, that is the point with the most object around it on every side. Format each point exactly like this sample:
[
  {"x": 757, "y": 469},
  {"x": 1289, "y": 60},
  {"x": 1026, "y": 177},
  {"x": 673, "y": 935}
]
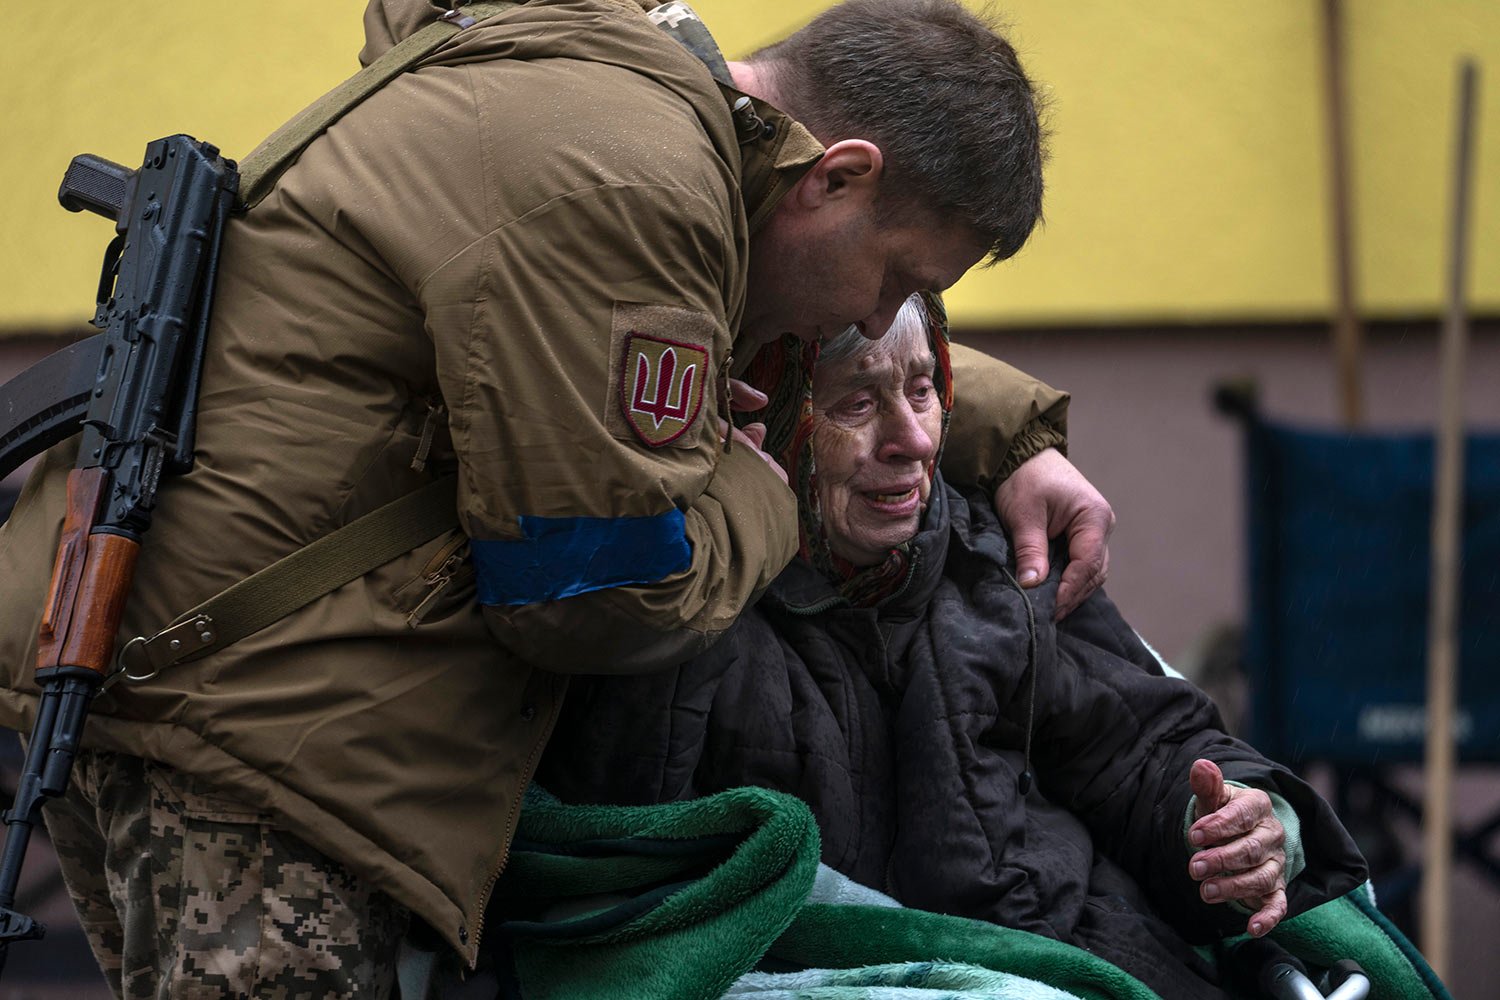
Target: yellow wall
[
  {"x": 1189, "y": 170},
  {"x": 1187, "y": 178}
]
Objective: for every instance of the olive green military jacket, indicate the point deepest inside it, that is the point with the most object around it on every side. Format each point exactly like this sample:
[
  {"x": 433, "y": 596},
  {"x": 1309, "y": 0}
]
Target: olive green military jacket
[{"x": 523, "y": 262}]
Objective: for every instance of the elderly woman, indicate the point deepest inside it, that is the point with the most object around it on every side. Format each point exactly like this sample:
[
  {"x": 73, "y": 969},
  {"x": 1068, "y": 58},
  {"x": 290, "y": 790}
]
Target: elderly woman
[{"x": 960, "y": 751}]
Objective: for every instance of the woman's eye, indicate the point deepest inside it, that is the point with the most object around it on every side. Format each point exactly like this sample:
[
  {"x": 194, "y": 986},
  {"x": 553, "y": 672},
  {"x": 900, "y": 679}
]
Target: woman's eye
[{"x": 857, "y": 407}]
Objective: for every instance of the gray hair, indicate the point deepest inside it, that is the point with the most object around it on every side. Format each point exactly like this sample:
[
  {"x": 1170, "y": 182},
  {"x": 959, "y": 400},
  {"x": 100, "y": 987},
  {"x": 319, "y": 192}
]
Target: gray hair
[
  {"x": 940, "y": 92},
  {"x": 910, "y": 319}
]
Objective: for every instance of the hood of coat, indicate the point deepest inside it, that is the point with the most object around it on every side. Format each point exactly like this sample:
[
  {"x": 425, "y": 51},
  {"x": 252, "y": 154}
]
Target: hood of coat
[
  {"x": 594, "y": 30},
  {"x": 388, "y": 22},
  {"x": 590, "y": 30}
]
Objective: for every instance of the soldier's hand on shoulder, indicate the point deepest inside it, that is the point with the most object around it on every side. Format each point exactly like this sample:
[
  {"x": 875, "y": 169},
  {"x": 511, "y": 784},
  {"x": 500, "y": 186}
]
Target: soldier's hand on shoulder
[{"x": 1046, "y": 497}]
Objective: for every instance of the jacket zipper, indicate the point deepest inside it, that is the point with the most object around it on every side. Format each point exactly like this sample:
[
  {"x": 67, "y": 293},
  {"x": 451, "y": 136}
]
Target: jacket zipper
[
  {"x": 817, "y": 609},
  {"x": 724, "y": 402},
  {"x": 440, "y": 572},
  {"x": 527, "y": 770},
  {"x": 435, "y": 410}
]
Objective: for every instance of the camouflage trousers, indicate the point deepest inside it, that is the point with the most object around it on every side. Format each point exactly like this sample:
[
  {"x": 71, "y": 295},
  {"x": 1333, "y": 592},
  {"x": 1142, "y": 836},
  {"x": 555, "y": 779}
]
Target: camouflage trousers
[{"x": 186, "y": 894}]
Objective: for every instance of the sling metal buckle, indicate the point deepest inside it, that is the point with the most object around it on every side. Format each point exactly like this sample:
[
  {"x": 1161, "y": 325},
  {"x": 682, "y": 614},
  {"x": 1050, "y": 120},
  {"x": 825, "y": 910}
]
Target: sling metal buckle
[{"x": 141, "y": 658}]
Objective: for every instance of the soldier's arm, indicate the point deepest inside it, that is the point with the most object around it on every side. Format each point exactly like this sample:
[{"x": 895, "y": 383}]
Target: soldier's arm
[
  {"x": 580, "y": 351},
  {"x": 1009, "y": 434}
]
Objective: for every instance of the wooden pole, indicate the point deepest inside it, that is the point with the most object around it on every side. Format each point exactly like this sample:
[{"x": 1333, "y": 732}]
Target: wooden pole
[
  {"x": 1447, "y": 509},
  {"x": 1348, "y": 335}
]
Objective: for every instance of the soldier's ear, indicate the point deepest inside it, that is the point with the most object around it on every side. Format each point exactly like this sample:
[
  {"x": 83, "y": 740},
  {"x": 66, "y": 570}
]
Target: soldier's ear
[{"x": 849, "y": 169}]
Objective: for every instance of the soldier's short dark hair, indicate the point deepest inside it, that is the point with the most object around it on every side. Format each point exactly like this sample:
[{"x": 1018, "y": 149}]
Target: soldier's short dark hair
[{"x": 942, "y": 94}]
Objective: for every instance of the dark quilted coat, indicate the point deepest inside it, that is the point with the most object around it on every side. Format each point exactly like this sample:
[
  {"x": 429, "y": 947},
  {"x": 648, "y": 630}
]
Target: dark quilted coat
[{"x": 905, "y": 727}]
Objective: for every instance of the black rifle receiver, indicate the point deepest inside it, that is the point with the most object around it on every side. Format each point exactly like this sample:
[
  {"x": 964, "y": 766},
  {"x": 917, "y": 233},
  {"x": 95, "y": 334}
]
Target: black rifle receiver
[
  {"x": 153, "y": 304},
  {"x": 155, "y": 293}
]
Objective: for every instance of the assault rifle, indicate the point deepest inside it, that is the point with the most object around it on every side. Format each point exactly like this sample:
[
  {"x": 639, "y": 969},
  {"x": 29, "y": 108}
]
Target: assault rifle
[{"x": 134, "y": 391}]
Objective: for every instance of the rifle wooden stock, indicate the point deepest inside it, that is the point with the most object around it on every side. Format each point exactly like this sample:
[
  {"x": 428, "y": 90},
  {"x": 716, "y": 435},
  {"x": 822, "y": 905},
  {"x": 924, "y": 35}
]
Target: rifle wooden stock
[{"x": 90, "y": 583}]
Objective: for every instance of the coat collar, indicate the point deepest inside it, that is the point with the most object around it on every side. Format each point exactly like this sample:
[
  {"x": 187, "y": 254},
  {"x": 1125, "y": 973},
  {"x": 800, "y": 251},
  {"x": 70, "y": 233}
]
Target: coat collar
[
  {"x": 801, "y": 590},
  {"x": 775, "y": 150}
]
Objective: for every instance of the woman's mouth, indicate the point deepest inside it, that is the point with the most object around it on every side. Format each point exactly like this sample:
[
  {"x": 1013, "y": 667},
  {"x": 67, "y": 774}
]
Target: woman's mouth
[{"x": 896, "y": 502}]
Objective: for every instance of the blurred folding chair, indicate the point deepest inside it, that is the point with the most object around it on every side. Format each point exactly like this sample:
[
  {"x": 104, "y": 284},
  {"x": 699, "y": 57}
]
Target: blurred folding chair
[{"x": 1335, "y": 644}]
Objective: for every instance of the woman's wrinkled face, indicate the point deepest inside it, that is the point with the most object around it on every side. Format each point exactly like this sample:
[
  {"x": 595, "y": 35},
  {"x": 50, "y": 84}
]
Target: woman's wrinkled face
[{"x": 877, "y": 420}]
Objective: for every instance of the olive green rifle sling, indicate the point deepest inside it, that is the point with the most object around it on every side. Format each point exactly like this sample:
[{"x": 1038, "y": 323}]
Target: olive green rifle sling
[{"x": 379, "y": 536}]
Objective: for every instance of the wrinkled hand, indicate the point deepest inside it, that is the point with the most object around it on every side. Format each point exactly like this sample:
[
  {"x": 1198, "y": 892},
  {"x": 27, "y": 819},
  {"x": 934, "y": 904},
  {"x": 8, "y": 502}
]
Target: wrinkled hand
[
  {"x": 1047, "y": 497},
  {"x": 1244, "y": 847},
  {"x": 744, "y": 398}
]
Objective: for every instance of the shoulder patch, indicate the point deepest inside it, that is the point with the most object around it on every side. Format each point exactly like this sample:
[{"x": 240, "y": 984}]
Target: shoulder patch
[
  {"x": 663, "y": 373},
  {"x": 661, "y": 386}
]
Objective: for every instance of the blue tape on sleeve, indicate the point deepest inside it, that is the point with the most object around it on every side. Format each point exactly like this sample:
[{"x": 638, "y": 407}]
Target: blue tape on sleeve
[{"x": 563, "y": 556}]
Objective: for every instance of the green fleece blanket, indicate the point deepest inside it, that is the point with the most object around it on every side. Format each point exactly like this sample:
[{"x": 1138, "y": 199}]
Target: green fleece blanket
[{"x": 724, "y": 897}]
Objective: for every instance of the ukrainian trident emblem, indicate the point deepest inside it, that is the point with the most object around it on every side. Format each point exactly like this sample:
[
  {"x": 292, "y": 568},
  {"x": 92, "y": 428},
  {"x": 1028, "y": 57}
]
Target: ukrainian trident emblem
[{"x": 661, "y": 387}]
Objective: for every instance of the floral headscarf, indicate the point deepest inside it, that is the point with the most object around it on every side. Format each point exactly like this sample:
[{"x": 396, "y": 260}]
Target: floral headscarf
[{"x": 784, "y": 372}]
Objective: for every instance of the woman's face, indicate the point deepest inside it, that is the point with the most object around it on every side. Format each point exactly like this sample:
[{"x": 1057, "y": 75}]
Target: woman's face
[{"x": 877, "y": 420}]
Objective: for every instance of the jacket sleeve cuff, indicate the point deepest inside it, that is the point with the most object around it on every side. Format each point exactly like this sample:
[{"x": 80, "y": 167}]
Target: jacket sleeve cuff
[{"x": 1035, "y": 438}]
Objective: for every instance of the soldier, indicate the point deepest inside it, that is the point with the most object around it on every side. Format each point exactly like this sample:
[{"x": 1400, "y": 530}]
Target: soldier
[{"x": 533, "y": 262}]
